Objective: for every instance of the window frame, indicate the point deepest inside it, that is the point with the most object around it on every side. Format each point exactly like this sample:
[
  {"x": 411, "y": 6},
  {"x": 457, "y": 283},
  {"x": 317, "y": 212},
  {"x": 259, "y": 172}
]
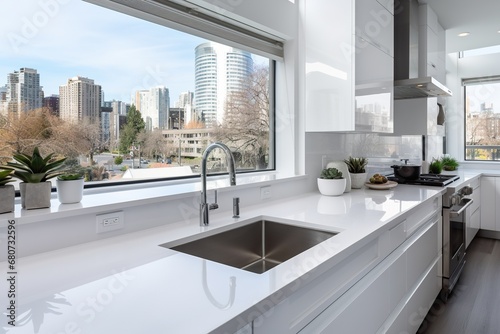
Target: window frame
[{"x": 475, "y": 82}]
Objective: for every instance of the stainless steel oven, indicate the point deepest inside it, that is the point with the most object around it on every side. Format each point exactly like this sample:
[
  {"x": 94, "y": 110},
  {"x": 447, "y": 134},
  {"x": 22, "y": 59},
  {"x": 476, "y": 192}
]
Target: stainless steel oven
[{"x": 455, "y": 204}]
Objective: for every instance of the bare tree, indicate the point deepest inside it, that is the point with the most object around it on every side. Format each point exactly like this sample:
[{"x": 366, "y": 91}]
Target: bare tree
[
  {"x": 246, "y": 121},
  {"x": 22, "y": 132},
  {"x": 155, "y": 144}
]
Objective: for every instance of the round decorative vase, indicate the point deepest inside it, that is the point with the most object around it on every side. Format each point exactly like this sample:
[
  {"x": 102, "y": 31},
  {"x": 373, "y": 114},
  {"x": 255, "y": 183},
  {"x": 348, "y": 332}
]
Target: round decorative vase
[
  {"x": 331, "y": 187},
  {"x": 70, "y": 191},
  {"x": 358, "y": 180}
]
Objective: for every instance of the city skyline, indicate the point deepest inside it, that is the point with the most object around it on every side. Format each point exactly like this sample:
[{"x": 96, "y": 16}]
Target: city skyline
[{"x": 127, "y": 54}]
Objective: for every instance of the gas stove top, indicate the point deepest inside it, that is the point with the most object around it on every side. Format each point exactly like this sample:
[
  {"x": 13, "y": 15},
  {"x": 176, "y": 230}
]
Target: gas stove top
[{"x": 438, "y": 180}]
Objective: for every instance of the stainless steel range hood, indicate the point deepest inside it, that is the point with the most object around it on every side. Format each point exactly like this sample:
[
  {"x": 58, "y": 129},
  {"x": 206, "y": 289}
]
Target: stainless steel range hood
[
  {"x": 419, "y": 87},
  {"x": 407, "y": 83}
]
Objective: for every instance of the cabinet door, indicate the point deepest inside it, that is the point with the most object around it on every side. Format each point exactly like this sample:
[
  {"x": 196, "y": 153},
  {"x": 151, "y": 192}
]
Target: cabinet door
[
  {"x": 367, "y": 299},
  {"x": 375, "y": 24},
  {"x": 329, "y": 67},
  {"x": 374, "y": 88},
  {"x": 488, "y": 203}
]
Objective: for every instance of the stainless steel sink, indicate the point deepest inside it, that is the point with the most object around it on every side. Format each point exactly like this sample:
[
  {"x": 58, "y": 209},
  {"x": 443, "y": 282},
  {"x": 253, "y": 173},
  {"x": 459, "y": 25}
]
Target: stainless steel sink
[{"x": 255, "y": 247}]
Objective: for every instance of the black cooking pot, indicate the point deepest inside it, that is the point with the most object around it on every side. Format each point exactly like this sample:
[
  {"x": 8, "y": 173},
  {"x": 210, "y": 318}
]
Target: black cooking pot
[{"x": 408, "y": 172}]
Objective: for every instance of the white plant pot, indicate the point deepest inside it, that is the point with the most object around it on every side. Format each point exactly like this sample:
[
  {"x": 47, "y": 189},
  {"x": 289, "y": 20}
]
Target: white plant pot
[
  {"x": 69, "y": 191},
  {"x": 35, "y": 195},
  {"x": 331, "y": 187},
  {"x": 7, "y": 197},
  {"x": 358, "y": 180}
]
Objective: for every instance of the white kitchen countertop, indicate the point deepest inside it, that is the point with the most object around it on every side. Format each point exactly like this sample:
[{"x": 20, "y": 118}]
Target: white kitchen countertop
[{"x": 129, "y": 284}]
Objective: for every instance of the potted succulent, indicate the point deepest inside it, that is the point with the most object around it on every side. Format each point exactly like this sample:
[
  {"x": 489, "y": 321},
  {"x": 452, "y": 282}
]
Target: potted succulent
[
  {"x": 7, "y": 192},
  {"x": 70, "y": 187},
  {"x": 357, "y": 171},
  {"x": 34, "y": 172},
  {"x": 449, "y": 163},
  {"x": 331, "y": 182}
]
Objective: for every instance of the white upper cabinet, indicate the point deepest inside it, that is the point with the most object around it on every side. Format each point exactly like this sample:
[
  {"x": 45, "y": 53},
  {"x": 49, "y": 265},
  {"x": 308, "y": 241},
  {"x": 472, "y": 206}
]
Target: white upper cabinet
[
  {"x": 375, "y": 24},
  {"x": 349, "y": 65},
  {"x": 431, "y": 45},
  {"x": 374, "y": 59},
  {"x": 329, "y": 65}
]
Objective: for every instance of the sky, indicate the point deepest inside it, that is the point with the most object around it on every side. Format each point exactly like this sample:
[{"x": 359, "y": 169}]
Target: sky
[{"x": 65, "y": 38}]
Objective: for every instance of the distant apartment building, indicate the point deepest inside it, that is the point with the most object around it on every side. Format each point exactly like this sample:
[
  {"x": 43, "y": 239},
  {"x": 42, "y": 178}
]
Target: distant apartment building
[
  {"x": 51, "y": 103},
  {"x": 106, "y": 123},
  {"x": 80, "y": 100},
  {"x": 175, "y": 118},
  {"x": 188, "y": 142},
  {"x": 113, "y": 117},
  {"x": 186, "y": 104},
  {"x": 219, "y": 70},
  {"x": 3, "y": 100},
  {"x": 24, "y": 92},
  {"x": 154, "y": 106}
]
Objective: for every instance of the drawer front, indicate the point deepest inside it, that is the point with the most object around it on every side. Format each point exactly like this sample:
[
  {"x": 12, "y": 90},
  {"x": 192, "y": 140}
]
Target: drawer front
[
  {"x": 422, "y": 252},
  {"x": 312, "y": 298}
]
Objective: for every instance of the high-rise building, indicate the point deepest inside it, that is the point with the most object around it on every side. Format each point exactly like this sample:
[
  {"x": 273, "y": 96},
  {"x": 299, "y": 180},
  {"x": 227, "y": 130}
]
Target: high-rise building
[
  {"x": 113, "y": 115},
  {"x": 80, "y": 100},
  {"x": 185, "y": 98},
  {"x": 24, "y": 92},
  {"x": 186, "y": 107},
  {"x": 3, "y": 100},
  {"x": 154, "y": 106},
  {"x": 219, "y": 70}
]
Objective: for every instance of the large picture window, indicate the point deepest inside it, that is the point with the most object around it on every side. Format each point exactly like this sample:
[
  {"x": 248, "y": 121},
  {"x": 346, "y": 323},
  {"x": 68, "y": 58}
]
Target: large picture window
[
  {"x": 126, "y": 99},
  {"x": 482, "y": 119}
]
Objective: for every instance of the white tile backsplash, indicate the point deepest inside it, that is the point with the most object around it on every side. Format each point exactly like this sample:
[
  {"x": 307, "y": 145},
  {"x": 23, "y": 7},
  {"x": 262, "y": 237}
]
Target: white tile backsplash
[{"x": 382, "y": 151}]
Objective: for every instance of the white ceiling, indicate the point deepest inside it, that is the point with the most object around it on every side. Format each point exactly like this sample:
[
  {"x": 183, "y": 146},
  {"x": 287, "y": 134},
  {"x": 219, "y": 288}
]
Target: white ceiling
[{"x": 481, "y": 18}]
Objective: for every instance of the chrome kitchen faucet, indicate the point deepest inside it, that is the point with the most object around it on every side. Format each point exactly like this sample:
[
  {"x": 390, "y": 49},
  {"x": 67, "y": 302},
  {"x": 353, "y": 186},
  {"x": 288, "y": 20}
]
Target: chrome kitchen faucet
[{"x": 204, "y": 206}]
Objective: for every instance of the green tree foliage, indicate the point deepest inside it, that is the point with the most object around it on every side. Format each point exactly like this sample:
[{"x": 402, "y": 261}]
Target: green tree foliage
[
  {"x": 118, "y": 160},
  {"x": 135, "y": 124}
]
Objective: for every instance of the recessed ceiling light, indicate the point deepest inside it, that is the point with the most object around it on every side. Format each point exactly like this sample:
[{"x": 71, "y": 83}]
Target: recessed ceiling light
[{"x": 463, "y": 34}]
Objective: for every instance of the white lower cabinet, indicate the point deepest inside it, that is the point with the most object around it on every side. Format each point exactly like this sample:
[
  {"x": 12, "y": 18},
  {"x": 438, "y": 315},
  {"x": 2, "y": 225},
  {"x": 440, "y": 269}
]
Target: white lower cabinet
[
  {"x": 386, "y": 286},
  {"x": 412, "y": 269},
  {"x": 490, "y": 194}
]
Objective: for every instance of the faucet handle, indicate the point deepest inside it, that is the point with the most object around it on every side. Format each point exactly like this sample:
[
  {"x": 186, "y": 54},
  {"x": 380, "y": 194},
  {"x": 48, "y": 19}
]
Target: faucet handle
[
  {"x": 213, "y": 206},
  {"x": 236, "y": 207}
]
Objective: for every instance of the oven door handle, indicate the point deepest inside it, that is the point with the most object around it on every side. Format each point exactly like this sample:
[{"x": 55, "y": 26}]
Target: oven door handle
[{"x": 453, "y": 213}]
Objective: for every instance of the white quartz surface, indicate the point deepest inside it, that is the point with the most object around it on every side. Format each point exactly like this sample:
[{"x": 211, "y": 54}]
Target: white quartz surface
[{"x": 128, "y": 284}]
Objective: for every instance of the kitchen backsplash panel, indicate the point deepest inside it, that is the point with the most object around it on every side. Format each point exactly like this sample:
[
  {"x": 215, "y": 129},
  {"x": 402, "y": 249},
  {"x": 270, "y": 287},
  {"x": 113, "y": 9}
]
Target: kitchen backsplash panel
[{"x": 381, "y": 150}]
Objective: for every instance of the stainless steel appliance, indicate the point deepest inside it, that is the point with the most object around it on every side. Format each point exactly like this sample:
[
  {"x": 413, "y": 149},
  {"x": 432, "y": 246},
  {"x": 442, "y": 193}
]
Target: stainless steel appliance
[{"x": 455, "y": 204}]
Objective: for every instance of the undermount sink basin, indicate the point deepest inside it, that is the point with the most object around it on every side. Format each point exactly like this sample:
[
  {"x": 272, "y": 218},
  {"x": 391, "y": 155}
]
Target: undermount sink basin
[{"x": 255, "y": 247}]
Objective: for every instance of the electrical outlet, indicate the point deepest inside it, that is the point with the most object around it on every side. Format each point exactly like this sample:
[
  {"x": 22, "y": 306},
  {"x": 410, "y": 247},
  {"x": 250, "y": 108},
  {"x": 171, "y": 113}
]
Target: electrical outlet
[
  {"x": 109, "y": 222},
  {"x": 265, "y": 192}
]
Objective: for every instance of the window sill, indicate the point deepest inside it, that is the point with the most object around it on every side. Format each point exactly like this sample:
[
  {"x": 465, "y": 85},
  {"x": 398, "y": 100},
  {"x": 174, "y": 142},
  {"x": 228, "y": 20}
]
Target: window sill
[{"x": 98, "y": 200}]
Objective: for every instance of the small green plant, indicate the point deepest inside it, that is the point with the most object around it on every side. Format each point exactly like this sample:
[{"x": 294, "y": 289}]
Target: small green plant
[
  {"x": 5, "y": 176},
  {"x": 71, "y": 170},
  {"x": 69, "y": 177},
  {"x": 331, "y": 173},
  {"x": 118, "y": 160},
  {"x": 436, "y": 167},
  {"x": 449, "y": 163},
  {"x": 124, "y": 168},
  {"x": 356, "y": 165},
  {"x": 35, "y": 168}
]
